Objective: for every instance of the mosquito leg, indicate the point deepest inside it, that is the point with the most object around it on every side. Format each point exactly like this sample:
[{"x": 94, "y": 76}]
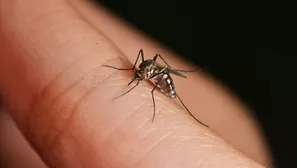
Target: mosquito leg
[
  {"x": 189, "y": 111},
  {"x": 132, "y": 80},
  {"x": 117, "y": 68},
  {"x": 154, "y": 104},
  {"x": 128, "y": 90},
  {"x": 153, "y": 97},
  {"x": 171, "y": 70},
  {"x": 158, "y": 55},
  {"x": 140, "y": 53}
]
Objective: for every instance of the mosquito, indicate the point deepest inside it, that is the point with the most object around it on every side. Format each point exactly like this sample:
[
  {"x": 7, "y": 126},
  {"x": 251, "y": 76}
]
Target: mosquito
[{"x": 150, "y": 69}]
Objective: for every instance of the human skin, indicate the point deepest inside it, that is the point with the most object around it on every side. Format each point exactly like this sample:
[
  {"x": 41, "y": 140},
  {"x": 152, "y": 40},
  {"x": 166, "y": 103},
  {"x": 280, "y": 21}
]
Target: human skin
[{"x": 60, "y": 96}]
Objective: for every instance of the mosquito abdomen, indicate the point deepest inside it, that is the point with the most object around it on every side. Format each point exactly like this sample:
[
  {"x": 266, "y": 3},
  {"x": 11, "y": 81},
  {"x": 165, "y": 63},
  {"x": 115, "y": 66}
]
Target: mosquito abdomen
[{"x": 165, "y": 83}]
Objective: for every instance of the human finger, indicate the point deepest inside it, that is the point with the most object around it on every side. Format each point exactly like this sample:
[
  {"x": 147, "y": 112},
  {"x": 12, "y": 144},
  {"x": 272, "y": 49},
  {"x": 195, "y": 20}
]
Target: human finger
[
  {"x": 226, "y": 115},
  {"x": 60, "y": 97}
]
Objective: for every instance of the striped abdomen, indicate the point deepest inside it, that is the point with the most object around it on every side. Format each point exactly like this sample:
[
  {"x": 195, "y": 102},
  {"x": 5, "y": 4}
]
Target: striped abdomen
[{"x": 165, "y": 83}]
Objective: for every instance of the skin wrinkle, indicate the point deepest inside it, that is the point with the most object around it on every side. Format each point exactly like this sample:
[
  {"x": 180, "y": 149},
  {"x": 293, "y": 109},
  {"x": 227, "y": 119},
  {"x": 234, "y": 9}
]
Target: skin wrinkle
[
  {"x": 115, "y": 129},
  {"x": 235, "y": 157},
  {"x": 153, "y": 146},
  {"x": 74, "y": 110},
  {"x": 214, "y": 155},
  {"x": 55, "y": 99},
  {"x": 93, "y": 154},
  {"x": 117, "y": 126},
  {"x": 173, "y": 109},
  {"x": 68, "y": 67},
  {"x": 143, "y": 137},
  {"x": 67, "y": 89},
  {"x": 89, "y": 150},
  {"x": 186, "y": 145},
  {"x": 183, "y": 139},
  {"x": 142, "y": 124},
  {"x": 67, "y": 151},
  {"x": 47, "y": 88},
  {"x": 61, "y": 131},
  {"x": 41, "y": 94},
  {"x": 49, "y": 136},
  {"x": 147, "y": 121},
  {"x": 114, "y": 71}
]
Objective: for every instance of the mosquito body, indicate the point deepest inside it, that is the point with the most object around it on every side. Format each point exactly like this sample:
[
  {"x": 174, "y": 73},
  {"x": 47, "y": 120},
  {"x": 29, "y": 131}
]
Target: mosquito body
[
  {"x": 149, "y": 69},
  {"x": 165, "y": 83}
]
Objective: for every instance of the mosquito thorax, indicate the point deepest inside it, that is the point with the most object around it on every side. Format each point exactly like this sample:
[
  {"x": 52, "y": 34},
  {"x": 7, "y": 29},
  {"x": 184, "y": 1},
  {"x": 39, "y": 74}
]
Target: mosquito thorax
[
  {"x": 146, "y": 63},
  {"x": 148, "y": 68}
]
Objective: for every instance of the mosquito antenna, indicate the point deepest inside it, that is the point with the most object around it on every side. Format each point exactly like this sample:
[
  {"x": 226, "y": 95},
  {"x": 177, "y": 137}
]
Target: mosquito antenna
[
  {"x": 129, "y": 89},
  {"x": 189, "y": 111}
]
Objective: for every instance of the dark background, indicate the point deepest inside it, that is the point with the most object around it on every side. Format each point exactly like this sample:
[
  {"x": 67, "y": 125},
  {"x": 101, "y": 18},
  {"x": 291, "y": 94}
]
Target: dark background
[{"x": 249, "y": 46}]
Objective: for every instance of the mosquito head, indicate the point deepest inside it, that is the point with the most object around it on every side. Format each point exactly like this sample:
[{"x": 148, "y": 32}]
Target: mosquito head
[{"x": 138, "y": 74}]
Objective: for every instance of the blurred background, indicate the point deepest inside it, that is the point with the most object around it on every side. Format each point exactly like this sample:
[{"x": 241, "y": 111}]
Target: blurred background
[{"x": 248, "y": 45}]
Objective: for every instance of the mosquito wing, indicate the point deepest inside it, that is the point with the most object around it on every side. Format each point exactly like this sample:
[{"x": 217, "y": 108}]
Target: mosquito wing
[
  {"x": 175, "y": 72},
  {"x": 172, "y": 71}
]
